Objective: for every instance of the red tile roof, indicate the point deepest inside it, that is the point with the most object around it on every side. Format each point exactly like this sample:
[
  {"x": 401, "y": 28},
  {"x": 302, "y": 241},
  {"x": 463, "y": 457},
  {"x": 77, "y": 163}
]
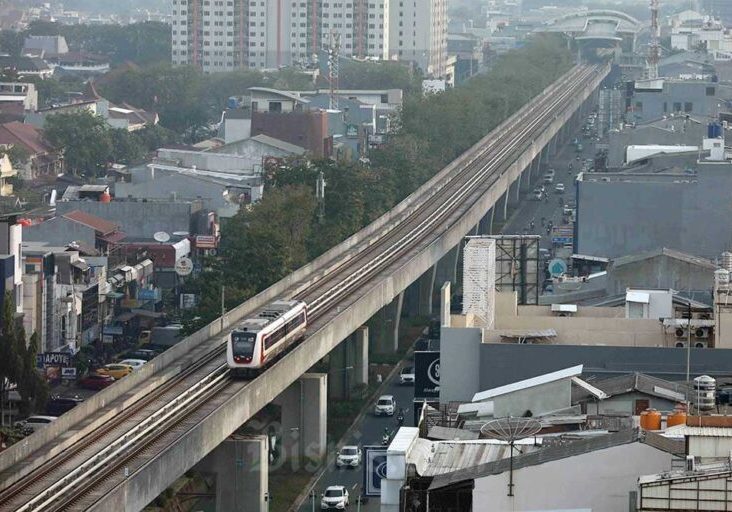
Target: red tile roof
[
  {"x": 24, "y": 135},
  {"x": 101, "y": 226}
]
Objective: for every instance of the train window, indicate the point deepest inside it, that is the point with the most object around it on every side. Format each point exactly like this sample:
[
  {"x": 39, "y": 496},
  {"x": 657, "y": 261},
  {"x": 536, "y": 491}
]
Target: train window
[{"x": 243, "y": 343}]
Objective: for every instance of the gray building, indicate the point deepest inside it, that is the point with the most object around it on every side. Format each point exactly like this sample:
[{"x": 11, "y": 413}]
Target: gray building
[
  {"x": 139, "y": 219},
  {"x": 652, "y": 100},
  {"x": 676, "y": 130},
  {"x": 60, "y": 231},
  {"x": 672, "y": 201}
]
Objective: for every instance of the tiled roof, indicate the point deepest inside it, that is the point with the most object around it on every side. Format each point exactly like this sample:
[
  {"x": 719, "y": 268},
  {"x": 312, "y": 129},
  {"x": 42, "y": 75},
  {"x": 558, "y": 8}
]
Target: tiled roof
[
  {"x": 100, "y": 225},
  {"x": 24, "y": 135}
]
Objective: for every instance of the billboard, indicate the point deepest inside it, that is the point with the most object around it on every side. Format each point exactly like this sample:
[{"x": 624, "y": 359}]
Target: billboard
[
  {"x": 427, "y": 375},
  {"x": 374, "y": 469}
]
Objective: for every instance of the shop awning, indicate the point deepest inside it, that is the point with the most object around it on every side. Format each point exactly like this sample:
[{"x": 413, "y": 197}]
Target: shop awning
[{"x": 115, "y": 295}]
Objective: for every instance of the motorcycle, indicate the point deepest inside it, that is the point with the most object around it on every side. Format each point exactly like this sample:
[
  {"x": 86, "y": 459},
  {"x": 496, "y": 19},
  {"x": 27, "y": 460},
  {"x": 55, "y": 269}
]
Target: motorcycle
[
  {"x": 385, "y": 439},
  {"x": 400, "y": 418}
]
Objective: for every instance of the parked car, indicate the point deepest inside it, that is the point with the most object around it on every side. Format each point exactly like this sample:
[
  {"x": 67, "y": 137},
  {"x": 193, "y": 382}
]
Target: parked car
[
  {"x": 385, "y": 405},
  {"x": 349, "y": 457},
  {"x": 559, "y": 188},
  {"x": 96, "y": 381},
  {"x": 33, "y": 423},
  {"x": 548, "y": 178},
  {"x": 57, "y": 405},
  {"x": 335, "y": 497},
  {"x": 116, "y": 370},
  {"x": 136, "y": 364},
  {"x": 406, "y": 376}
]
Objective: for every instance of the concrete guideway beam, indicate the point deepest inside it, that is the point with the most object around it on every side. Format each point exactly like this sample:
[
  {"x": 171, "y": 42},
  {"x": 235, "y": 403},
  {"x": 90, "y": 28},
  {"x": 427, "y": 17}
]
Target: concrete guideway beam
[
  {"x": 241, "y": 468},
  {"x": 242, "y": 400},
  {"x": 418, "y": 296},
  {"x": 447, "y": 267}
]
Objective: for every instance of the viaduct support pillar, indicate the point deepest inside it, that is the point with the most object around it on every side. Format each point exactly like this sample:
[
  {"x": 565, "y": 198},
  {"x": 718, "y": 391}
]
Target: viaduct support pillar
[
  {"x": 241, "y": 467},
  {"x": 418, "y": 295},
  {"x": 505, "y": 203},
  {"x": 384, "y": 327},
  {"x": 348, "y": 365},
  {"x": 303, "y": 420}
]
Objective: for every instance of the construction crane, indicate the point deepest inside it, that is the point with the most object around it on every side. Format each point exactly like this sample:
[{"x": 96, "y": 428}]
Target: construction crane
[{"x": 654, "y": 49}]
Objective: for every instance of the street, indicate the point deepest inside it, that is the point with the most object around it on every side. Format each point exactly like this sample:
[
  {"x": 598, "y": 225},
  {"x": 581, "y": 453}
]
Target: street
[{"x": 368, "y": 432}]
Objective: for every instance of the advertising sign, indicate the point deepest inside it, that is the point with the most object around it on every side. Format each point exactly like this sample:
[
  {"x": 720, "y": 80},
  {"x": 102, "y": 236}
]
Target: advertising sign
[
  {"x": 426, "y": 375},
  {"x": 374, "y": 469},
  {"x": 205, "y": 242},
  {"x": 90, "y": 307},
  {"x": 53, "y": 359},
  {"x": 68, "y": 373}
]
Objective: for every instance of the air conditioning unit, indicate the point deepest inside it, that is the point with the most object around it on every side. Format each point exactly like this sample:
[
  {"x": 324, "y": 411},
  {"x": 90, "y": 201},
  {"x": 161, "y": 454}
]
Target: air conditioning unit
[
  {"x": 681, "y": 332},
  {"x": 680, "y": 344},
  {"x": 700, "y": 344},
  {"x": 701, "y": 332}
]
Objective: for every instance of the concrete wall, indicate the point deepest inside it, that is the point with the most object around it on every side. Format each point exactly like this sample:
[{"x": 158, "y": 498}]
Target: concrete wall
[
  {"x": 463, "y": 363},
  {"x": 137, "y": 218},
  {"x": 59, "y": 231},
  {"x": 701, "y": 446},
  {"x": 625, "y": 403},
  {"x": 599, "y": 481},
  {"x": 620, "y": 218},
  {"x": 620, "y": 140},
  {"x": 502, "y": 364},
  {"x": 660, "y": 272},
  {"x": 694, "y": 92},
  {"x": 538, "y": 399},
  {"x": 221, "y": 162}
]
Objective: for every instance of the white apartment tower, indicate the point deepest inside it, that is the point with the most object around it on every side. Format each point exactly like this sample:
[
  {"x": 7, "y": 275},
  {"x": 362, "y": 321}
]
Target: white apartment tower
[
  {"x": 418, "y": 33},
  {"x": 222, "y": 35}
]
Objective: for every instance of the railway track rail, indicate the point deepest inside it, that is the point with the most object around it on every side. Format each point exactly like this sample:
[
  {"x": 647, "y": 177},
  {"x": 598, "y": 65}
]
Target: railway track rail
[{"x": 67, "y": 481}]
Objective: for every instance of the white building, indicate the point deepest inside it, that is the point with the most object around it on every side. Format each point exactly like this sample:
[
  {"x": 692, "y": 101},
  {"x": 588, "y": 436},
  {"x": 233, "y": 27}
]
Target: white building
[
  {"x": 418, "y": 33},
  {"x": 222, "y": 35}
]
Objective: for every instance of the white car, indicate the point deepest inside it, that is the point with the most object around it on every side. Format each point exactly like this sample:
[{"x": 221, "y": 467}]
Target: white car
[
  {"x": 349, "y": 457},
  {"x": 135, "y": 363},
  {"x": 559, "y": 188},
  {"x": 385, "y": 405},
  {"x": 335, "y": 497},
  {"x": 406, "y": 376},
  {"x": 33, "y": 423}
]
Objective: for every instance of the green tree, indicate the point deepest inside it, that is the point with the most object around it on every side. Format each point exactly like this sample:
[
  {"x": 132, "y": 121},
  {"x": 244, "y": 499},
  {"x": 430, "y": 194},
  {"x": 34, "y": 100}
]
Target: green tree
[
  {"x": 32, "y": 387},
  {"x": 84, "y": 138},
  {"x": 11, "y": 42},
  {"x": 126, "y": 148},
  {"x": 9, "y": 361}
]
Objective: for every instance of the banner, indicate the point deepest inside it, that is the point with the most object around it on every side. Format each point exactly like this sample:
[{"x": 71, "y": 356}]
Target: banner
[
  {"x": 374, "y": 469},
  {"x": 427, "y": 375}
]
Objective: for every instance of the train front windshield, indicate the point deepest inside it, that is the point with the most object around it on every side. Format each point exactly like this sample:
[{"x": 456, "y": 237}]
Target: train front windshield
[{"x": 242, "y": 343}]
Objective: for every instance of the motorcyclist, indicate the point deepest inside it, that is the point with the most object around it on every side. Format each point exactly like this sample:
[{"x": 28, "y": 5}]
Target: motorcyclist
[
  {"x": 400, "y": 417},
  {"x": 532, "y": 224},
  {"x": 385, "y": 437}
]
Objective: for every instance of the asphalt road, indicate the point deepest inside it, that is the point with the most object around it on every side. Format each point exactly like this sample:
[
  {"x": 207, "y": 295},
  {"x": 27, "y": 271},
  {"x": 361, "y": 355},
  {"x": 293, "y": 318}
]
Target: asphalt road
[
  {"x": 368, "y": 432},
  {"x": 550, "y": 209}
]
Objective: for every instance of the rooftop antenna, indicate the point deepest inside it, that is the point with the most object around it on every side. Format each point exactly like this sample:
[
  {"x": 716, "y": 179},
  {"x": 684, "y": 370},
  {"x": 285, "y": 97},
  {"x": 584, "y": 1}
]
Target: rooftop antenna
[
  {"x": 510, "y": 430},
  {"x": 654, "y": 50},
  {"x": 334, "y": 54}
]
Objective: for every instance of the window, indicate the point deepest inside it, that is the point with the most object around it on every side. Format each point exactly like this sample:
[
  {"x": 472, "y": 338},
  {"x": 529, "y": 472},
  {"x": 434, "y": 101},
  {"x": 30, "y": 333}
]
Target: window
[
  {"x": 688, "y": 107},
  {"x": 677, "y": 107},
  {"x": 275, "y": 106},
  {"x": 639, "y": 106},
  {"x": 711, "y": 91}
]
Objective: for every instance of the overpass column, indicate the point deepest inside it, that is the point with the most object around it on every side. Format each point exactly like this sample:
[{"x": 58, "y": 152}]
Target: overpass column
[
  {"x": 418, "y": 295},
  {"x": 348, "y": 366},
  {"x": 241, "y": 467},
  {"x": 447, "y": 266},
  {"x": 505, "y": 202},
  {"x": 384, "y": 327},
  {"x": 304, "y": 417}
]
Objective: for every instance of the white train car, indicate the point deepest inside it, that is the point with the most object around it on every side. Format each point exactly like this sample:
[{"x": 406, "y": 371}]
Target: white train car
[{"x": 259, "y": 340}]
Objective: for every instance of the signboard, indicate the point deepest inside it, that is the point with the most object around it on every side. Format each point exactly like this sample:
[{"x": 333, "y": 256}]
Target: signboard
[
  {"x": 184, "y": 267},
  {"x": 188, "y": 300},
  {"x": 351, "y": 130},
  {"x": 374, "y": 469},
  {"x": 205, "y": 242},
  {"x": 426, "y": 374},
  {"x": 53, "y": 359},
  {"x": 90, "y": 307},
  {"x": 107, "y": 339},
  {"x": 557, "y": 267},
  {"x": 68, "y": 373},
  {"x": 116, "y": 330},
  {"x": 146, "y": 294}
]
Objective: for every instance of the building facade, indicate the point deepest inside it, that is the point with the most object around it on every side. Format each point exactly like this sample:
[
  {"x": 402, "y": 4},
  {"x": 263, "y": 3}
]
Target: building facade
[{"x": 222, "y": 35}]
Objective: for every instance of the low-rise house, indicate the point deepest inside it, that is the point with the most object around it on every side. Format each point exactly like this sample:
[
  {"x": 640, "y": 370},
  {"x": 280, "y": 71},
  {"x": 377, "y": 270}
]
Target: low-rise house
[
  {"x": 25, "y": 66},
  {"x": 43, "y": 160},
  {"x": 6, "y": 172}
]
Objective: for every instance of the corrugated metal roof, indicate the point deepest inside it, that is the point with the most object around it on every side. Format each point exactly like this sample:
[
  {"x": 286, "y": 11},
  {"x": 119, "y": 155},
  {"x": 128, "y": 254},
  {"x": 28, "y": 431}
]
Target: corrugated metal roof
[
  {"x": 451, "y": 434},
  {"x": 403, "y": 440},
  {"x": 567, "y": 373},
  {"x": 686, "y": 430},
  {"x": 635, "y": 382}
]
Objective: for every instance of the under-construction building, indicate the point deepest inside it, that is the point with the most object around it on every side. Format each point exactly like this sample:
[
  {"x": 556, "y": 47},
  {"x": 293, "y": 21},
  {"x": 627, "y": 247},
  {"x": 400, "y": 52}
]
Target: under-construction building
[{"x": 222, "y": 35}]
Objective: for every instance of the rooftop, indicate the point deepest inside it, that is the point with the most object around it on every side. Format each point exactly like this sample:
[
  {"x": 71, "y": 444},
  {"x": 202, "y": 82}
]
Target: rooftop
[
  {"x": 567, "y": 373},
  {"x": 100, "y": 225}
]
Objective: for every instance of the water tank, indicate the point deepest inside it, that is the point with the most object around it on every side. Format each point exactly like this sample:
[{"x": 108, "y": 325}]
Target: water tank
[
  {"x": 721, "y": 276},
  {"x": 725, "y": 261},
  {"x": 714, "y": 130},
  {"x": 677, "y": 417},
  {"x": 650, "y": 419},
  {"x": 703, "y": 393}
]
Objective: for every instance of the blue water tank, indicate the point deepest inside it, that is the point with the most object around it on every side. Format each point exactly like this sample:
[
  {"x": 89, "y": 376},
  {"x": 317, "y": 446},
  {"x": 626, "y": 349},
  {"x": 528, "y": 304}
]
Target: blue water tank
[
  {"x": 714, "y": 130},
  {"x": 232, "y": 103}
]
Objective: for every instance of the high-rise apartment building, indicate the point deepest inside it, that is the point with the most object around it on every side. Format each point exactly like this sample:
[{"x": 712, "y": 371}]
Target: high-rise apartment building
[
  {"x": 221, "y": 35},
  {"x": 418, "y": 33}
]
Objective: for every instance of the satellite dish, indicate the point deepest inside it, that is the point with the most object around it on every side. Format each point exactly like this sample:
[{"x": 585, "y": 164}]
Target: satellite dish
[
  {"x": 161, "y": 236},
  {"x": 510, "y": 430}
]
